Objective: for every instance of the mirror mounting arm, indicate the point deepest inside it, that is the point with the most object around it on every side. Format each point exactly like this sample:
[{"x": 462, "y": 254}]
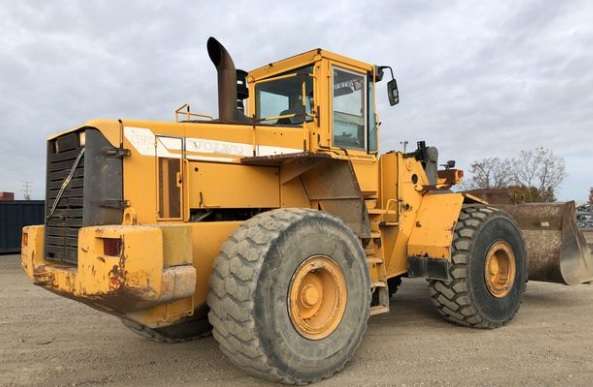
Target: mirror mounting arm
[
  {"x": 381, "y": 68},
  {"x": 392, "y": 90}
]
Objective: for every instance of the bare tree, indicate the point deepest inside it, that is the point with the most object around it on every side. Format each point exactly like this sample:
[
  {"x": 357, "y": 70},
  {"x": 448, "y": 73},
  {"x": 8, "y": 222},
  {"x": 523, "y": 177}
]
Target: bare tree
[
  {"x": 539, "y": 168},
  {"x": 534, "y": 174},
  {"x": 590, "y": 201},
  {"x": 491, "y": 172},
  {"x": 27, "y": 190}
]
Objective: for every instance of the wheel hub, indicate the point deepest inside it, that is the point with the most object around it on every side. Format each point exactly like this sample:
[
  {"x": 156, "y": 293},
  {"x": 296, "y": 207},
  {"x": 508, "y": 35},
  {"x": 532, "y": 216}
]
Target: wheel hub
[
  {"x": 500, "y": 269},
  {"x": 317, "y": 297},
  {"x": 310, "y": 296}
]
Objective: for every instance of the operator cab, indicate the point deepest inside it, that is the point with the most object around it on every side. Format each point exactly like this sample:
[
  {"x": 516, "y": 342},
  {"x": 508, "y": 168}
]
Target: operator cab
[{"x": 329, "y": 95}]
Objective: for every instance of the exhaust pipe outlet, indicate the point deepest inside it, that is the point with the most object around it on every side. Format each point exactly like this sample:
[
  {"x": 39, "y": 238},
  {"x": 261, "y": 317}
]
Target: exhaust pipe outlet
[{"x": 227, "y": 81}]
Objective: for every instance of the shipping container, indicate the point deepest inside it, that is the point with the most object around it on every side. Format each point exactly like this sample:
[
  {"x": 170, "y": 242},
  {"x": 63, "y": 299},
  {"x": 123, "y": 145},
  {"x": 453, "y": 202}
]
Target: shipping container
[{"x": 14, "y": 215}]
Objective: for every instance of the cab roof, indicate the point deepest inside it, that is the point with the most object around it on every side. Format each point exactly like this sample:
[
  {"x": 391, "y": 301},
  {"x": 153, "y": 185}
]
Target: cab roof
[{"x": 304, "y": 59}]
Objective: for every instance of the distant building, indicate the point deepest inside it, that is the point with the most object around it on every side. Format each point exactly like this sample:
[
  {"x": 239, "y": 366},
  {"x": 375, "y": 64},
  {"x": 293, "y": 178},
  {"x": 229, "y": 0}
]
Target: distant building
[{"x": 6, "y": 196}]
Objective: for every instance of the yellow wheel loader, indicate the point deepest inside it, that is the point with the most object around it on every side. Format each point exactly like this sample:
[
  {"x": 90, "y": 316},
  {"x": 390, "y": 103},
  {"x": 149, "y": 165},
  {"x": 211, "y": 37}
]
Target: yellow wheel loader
[{"x": 278, "y": 226}]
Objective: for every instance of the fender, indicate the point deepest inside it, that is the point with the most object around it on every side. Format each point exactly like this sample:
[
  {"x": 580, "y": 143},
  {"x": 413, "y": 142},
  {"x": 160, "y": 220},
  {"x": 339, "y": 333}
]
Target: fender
[{"x": 429, "y": 247}]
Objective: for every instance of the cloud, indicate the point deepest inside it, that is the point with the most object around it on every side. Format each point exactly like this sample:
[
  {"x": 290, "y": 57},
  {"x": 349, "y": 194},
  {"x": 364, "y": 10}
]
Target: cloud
[{"x": 476, "y": 78}]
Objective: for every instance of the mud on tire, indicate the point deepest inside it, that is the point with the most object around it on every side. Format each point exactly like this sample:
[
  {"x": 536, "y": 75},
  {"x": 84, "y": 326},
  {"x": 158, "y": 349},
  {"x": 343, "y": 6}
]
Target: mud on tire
[
  {"x": 249, "y": 290},
  {"x": 465, "y": 298}
]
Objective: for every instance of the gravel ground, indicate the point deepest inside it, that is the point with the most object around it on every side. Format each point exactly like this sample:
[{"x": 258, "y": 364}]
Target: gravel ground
[{"x": 48, "y": 340}]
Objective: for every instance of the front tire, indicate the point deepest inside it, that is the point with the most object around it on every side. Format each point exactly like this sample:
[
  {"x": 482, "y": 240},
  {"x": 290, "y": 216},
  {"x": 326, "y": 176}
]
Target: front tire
[
  {"x": 488, "y": 272},
  {"x": 289, "y": 296}
]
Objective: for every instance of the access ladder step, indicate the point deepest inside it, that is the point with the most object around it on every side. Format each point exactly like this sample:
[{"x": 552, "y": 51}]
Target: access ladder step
[
  {"x": 379, "y": 309},
  {"x": 380, "y": 298}
]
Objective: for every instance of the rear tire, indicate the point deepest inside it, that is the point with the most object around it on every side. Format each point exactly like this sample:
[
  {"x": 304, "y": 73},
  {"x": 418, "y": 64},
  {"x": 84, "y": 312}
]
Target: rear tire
[
  {"x": 469, "y": 298},
  {"x": 250, "y": 308}
]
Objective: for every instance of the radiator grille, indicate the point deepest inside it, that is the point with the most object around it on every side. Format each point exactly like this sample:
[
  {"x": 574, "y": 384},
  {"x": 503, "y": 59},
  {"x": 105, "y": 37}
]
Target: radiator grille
[{"x": 61, "y": 231}]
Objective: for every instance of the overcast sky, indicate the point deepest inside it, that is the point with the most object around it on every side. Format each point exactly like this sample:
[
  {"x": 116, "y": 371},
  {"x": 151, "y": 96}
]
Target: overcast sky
[{"x": 476, "y": 78}]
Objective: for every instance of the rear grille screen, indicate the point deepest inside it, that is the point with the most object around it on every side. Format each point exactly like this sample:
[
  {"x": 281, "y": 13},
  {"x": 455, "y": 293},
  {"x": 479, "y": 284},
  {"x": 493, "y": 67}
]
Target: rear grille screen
[{"x": 61, "y": 232}]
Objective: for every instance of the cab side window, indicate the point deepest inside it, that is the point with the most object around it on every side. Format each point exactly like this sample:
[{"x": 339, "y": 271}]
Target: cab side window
[
  {"x": 285, "y": 99},
  {"x": 372, "y": 139}
]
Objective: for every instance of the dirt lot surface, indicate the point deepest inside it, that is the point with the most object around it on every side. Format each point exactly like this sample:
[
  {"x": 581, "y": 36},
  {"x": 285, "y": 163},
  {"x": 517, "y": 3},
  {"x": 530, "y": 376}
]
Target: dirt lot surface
[{"x": 47, "y": 340}]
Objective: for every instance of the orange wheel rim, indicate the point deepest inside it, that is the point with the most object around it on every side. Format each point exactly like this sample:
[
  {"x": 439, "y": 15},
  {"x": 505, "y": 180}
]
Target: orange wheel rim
[
  {"x": 317, "y": 297},
  {"x": 500, "y": 269}
]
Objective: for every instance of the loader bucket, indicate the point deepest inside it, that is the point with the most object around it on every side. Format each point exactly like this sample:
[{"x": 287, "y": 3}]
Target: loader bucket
[{"x": 557, "y": 250}]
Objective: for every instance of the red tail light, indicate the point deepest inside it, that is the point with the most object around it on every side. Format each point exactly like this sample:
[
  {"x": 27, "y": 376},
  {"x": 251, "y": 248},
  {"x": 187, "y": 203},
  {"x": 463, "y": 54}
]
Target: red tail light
[{"x": 112, "y": 246}]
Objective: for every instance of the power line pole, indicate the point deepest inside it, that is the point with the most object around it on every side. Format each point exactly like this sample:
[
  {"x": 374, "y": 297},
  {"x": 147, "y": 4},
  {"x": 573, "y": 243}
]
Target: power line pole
[
  {"x": 27, "y": 190},
  {"x": 404, "y": 144}
]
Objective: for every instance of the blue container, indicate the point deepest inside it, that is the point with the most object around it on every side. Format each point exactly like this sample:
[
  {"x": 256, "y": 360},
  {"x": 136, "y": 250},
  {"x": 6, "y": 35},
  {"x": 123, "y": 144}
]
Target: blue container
[{"x": 14, "y": 215}]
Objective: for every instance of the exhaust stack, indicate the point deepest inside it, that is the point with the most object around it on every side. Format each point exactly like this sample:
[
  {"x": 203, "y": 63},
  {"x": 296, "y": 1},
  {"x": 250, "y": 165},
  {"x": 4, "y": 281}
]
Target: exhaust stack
[{"x": 227, "y": 81}]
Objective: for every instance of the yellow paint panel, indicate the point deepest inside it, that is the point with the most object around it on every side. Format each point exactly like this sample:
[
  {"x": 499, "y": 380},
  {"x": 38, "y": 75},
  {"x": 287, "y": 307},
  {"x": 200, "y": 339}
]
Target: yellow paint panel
[
  {"x": 435, "y": 224},
  {"x": 208, "y": 238},
  {"x": 217, "y": 185},
  {"x": 400, "y": 195},
  {"x": 293, "y": 195},
  {"x": 367, "y": 174},
  {"x": 177, "y": 244},
  {"x": 111, "y": 129},
  {"x": 303, "y": 59},
  {"x": 140, "y": 184},
  {"x": 163, "y": 314},
  {"x": 140, "y": 267},
  {"x": 283, "y": 65},
  {"x": 204, "y": 252},
  {"x": 32, "y": 253},
  {"x": 286, "y": 137}
]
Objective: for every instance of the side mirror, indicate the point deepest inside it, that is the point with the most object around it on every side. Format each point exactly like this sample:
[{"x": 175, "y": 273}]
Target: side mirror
[
  {"x": 393, "y": 92},
  {"x": 379, "y": 73}
]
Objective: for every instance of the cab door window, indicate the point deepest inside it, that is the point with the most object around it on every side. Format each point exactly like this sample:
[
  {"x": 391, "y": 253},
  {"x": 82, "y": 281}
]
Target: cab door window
[{"x": 349, "y": 96}]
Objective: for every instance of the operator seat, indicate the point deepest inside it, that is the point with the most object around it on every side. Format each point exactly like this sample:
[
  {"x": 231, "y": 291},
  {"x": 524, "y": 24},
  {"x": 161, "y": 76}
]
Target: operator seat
[{"x": 288, "y": 120}]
